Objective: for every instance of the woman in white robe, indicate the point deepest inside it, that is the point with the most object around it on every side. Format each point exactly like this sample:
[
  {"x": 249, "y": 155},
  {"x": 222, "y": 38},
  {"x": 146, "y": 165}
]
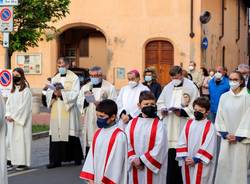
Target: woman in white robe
[
  {"x": 3, "y": 172},
  {"x": 233, "y": 125},
  {"x": 19, "y": 114}
]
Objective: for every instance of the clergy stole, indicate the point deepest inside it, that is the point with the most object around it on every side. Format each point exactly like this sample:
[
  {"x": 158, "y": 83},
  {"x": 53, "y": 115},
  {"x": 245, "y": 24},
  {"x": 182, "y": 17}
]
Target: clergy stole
[
  {"x": 147, "y": 155},
  {"x": 174, "y": 123},
  {"x": 59, "y": 123}
]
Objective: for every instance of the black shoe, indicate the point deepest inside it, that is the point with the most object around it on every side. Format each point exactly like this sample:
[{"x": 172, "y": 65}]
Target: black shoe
[
  {"x": 9, "y": 163},
  {"x": 10, "y": 167},
  {"x": 22, "y": 167},
  {"x": 52, "y": 165},
  {"x": 78, "y": 162}
]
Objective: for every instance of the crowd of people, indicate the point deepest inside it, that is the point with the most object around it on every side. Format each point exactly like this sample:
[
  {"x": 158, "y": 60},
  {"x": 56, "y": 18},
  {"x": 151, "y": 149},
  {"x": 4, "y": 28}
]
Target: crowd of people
[{"x": 194, "y": 130}]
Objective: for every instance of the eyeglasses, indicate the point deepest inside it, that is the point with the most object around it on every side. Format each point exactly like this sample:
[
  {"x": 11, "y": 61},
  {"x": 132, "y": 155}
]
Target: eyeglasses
[{"x": 236, "y": 80}]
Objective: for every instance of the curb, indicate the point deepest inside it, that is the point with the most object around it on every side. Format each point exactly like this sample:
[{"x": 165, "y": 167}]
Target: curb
[{"x": 40, "y": 135}]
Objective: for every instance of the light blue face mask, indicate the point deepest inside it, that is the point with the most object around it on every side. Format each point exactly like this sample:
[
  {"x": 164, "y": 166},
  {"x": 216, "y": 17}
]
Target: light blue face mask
[
  {"x": 95, "y": 80},
  {"x": 148, "y": 78},
  {"x": 62, "y": 70}
]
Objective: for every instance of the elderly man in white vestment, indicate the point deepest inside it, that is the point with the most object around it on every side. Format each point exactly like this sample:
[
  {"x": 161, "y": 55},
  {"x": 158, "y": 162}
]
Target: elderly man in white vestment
[
  {"x": 90, "y": 95},
  {"x": 233, "y": 125},
  {"x": 65, "y": 127},
  {"x": 175, "y": 110},
  {"x": 128, "y": 98},
  {"x": 3, "y": 167}
]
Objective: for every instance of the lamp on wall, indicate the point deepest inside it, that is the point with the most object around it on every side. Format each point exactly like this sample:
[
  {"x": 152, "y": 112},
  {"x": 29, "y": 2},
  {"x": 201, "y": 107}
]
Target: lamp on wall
[{"x": 205, "y": 17}]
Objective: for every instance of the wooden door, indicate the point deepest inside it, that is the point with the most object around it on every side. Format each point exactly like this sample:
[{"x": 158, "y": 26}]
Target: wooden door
[{"x": 160, "y": 54}]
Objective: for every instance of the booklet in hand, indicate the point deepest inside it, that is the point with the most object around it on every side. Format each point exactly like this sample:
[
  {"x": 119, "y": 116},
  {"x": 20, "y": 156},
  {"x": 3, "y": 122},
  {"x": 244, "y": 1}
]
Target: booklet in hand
[
  {"x": 90, "y": 98},
  {"x": 51, "y": 87}
]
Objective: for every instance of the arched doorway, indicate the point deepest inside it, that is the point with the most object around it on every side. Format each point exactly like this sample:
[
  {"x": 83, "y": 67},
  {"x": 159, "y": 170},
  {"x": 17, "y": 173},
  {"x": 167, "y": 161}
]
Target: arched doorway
[
  {"x": 160, "y": 54},
  {"x": 83, "y": 46}
]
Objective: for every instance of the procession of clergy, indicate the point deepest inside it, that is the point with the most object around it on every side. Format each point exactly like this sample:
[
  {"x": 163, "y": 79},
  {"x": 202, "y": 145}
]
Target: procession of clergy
[{"x": 139, "y": 136}]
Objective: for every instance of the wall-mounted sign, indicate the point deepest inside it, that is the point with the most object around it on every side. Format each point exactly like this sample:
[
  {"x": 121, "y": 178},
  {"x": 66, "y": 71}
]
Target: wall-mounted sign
[
  {"x": 5, "y": 82},
  {"x": 8, "y": 2},
  {"x": 120, "y": 73},
  {"x": 6, "y": 19},
  {"x": 31, "y": 63}
]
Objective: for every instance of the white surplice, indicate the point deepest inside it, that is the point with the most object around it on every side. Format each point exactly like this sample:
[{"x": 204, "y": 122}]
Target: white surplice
[
  {"x": 171, "y": 96},
  {"x": 147, "y": 141},
  {"x": 106, "y": 91},
  {"x": 198, "y": 139},
  {"x": 107, "y": 158},
  {"x": 66, "y": 119},
  {"x": 19, "y": 108},
  {"x": 128, "y": 100},
  {"x": 3, "y": 167},
  {"x": 233, "y": 117}
]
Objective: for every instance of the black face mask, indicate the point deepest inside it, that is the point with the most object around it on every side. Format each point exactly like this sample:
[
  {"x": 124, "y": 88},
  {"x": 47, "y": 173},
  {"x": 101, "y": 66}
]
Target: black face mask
[
  {"x": 16, "y": 79},
  {"x": 198, "y": 115},
  {"x": 150, "y": 111}
]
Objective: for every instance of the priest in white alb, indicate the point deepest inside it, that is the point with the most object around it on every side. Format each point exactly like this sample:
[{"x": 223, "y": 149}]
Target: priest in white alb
[
  {"x": 233, "y": 125},
  {"x": 175, "y": 112},
  {"x": 3, "y": 167},
  {"x": 90, "y": 95},
  {"x": 65, "y": 128},
  {"x": 128, "y": 98}
]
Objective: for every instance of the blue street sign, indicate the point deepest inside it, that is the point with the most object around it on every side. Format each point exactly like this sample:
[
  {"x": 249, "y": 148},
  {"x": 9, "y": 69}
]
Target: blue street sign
[
  {"x": 5, "y": 78},
  {"x": 5, "y": 14},
  {"x": 204, "y": 43}
]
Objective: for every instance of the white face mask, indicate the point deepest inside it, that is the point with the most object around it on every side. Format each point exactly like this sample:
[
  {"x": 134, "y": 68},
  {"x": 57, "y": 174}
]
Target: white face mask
[
  {"x": 148, "y": 78},
  {"x": 191, "y": 68},
  {"x": 176, "y": 82},
  {"x": 234, "y": 85},
  {"x": 132, "y": 84},
  {"x": 218, "y": 75}
]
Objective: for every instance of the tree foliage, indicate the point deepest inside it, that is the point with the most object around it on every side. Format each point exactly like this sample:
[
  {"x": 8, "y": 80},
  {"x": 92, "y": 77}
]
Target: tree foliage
[{"x": 33, "y": 19}]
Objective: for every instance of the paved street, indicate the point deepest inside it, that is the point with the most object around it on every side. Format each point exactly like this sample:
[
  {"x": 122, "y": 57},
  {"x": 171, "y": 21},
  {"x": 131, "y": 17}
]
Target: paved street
[
  {"x": 41, "y": 175},
  {"x": 38, "y": 174}
]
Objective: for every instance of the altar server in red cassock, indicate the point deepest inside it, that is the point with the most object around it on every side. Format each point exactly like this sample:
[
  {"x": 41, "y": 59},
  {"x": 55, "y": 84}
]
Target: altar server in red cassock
[
  {"x": 197, "y": 146},
  {"x": 147, "y": 140},
  {"x": 107, "y": 159}
]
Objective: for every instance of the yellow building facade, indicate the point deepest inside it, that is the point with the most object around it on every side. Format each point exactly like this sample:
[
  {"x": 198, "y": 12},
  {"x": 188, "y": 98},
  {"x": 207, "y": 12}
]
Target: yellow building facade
[{"x": 123, "y": 35}]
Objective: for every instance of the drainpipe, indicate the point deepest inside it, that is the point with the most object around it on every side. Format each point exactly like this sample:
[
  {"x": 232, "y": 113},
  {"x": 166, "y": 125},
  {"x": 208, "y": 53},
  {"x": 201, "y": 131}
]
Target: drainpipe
[
  {"x": 191, "y": 34},
  {"x": 238, "y": 37},
  {"x": 223, "y": 18}
]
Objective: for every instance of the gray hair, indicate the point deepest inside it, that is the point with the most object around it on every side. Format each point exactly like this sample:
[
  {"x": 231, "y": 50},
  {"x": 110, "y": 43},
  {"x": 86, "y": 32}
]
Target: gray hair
[
  {"x": 95, "y": 69},
  {"x": 243, "y": 67}
]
